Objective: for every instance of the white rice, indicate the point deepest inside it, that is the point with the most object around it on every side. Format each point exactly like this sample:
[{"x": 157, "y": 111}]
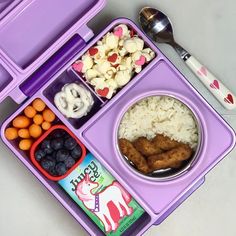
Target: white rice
[{"x": 160, "y": 115}]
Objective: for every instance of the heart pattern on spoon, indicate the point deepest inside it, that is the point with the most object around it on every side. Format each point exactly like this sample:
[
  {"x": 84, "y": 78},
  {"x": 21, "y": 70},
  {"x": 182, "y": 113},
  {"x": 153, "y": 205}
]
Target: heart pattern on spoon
[
  {"x": 202, "y": 71},
  {"x": 229, "y": 99},
  {"x": 215, "y": 85}
]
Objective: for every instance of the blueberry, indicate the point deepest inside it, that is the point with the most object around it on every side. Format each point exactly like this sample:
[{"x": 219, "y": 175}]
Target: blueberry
[
  {"x": 51, "y": 157},
  {"x": 54, "y": 155},
  {"x": 53, "y": 172},
  {"x": 47, "y": 164},
  {"x": 62, "y": 155},
  {"x": 57, "y": 143},
  {"x": 76, "y": 153},
  {"x": 46, "y": 144},
  {"x": 60, "y": 168},
  {"x": 48, "y": 150},
  {"x": 59, "y": 133},
  {"x": 39, "y": 155},
  {"x": 69, "y": 162},
  {"x": 70, "y": 143}
]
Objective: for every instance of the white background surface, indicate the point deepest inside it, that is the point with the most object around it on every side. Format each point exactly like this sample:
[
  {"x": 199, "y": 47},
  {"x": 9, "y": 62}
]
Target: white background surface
[{"x": 207, "y": 29}]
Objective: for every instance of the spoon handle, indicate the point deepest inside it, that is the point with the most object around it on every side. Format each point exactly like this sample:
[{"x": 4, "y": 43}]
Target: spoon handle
[{"x": 215, "y": 86}]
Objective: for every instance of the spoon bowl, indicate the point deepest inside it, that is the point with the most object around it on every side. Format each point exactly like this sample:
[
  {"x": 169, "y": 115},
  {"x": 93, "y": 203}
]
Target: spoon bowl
[{"x": 157, "y": 25}]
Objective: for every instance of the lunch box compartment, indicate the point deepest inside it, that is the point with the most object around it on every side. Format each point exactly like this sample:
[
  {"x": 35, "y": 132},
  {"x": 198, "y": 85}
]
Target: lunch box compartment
[
  {"x": 38, "y": 25},
  {"x": 163, "y": 79},
  {"x": 133, "y": 27},
  {"x": 68, "y": 77},
  {"x": 14, "y": 144},
  {"x": 144, "y": 222},
  {"x": 5, "y": 78}
]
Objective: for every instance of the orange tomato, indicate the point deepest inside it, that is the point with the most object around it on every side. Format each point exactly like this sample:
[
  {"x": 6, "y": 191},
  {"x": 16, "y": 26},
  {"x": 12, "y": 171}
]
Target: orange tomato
[
  {"x": 24, "y": 133},
  {"x": 25, "y": 144},
  {"x": 38, "y": 119},
  {"x": 21, "y": 122},
  {"x": 48, "y": 115},
  {"x": 35, "y": 131},
  {"x": 11, "y": 133},
  {"x": 30, "y": 112},
  {"x": 38, "y": 105},
  {"x": 46, "y": 125}
]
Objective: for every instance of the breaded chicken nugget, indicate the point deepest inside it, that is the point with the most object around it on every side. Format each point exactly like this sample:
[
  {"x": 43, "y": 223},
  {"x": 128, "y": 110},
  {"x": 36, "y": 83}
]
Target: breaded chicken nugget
[
  {"x": 127, "y": 149},
  {"x": 170, "y": 159},
  {"x": 146, "y": 147},
  {"x": 165, "y": 143}
]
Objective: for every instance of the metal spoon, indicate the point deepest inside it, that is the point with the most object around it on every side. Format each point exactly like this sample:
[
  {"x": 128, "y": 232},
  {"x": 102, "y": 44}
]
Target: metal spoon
[{"x": 158, "y": 26}]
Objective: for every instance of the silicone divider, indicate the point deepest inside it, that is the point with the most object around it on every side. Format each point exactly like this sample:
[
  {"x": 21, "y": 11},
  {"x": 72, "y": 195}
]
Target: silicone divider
[{"x": 85, "y": 84}]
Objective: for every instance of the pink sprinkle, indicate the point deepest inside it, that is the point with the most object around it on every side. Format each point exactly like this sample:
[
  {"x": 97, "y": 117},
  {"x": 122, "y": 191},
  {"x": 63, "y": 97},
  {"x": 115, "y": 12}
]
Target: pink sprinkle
[
  {"x": 141, "y": 61},
  {"x": 118, "y": 32},
  {"x": 78, "y": 66}
]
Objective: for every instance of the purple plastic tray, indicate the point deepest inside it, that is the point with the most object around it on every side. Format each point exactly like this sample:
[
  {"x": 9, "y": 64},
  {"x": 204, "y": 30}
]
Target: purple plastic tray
[{"x": 160, "y": 77}]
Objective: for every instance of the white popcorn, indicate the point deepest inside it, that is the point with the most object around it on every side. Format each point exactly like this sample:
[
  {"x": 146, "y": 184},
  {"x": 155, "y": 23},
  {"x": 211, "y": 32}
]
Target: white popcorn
[
  {"x": 91, "y": 73},
  {"x": 111, "y": 63},
  {"x": 138, "y": 69},
  {"x": 126, "y": 64},
  {"x": 148, "y": 53},
  {"x": 111, "y": 41},
  {"x": 103, "y": 66},
  {"x": 122, "y": 51},
  {"x": 130, "y": 45},
  {"x": 98, "y": 83},
  {"x": 139, "y": 43},
  {"x": 122, "y": 77},
  {"x": 112, "y": 84},
  {"x": 110, "y": 73},
  {"x": 122, "y": 31},
  {"x": 110, "y": 93},
  {"x": 101, "y": 53},
  {"x": 136, "y": 56},
  {"x": 87, "y": 63}
]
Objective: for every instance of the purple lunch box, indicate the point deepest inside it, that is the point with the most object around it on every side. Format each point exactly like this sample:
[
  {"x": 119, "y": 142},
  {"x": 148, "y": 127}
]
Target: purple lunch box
[{"x": 39, "y": 41}]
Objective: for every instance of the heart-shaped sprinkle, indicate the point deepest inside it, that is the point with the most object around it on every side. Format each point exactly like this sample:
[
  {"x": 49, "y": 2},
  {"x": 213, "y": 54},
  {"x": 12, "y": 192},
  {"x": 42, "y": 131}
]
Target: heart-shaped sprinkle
[
  {"x": 215, "y": 85},
  {"x": 103, "y": 92},
  {"x": 93, "y": 51},
  {"x": 78, "y": 66},
  {"x": 112, "y": 58},
  {"x": 118, "y": 32},
  {"x": 115, "y": 66},
  {"x": 202, "y": 71},
  {"x": 141, "y": 61},
  {"x": 229, "y": 99},
  {"x": 132, "y": 33}
]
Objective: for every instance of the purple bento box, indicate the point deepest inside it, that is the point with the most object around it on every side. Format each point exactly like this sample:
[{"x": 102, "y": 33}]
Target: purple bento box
[{"x": 39, "y": 41}]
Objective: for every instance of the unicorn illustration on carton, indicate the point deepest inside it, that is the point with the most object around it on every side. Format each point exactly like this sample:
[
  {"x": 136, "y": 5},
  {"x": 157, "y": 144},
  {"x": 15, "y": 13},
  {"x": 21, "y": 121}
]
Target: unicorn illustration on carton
[{"x": 114, "y": 198}]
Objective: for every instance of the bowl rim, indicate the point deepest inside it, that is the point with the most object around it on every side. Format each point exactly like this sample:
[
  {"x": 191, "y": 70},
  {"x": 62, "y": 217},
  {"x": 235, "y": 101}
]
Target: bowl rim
[{"x": 201, "y": 147}]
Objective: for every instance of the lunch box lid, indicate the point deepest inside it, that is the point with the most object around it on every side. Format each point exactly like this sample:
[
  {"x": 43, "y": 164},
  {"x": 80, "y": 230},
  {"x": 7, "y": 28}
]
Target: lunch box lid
[{"x": 32, "y": 32}]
